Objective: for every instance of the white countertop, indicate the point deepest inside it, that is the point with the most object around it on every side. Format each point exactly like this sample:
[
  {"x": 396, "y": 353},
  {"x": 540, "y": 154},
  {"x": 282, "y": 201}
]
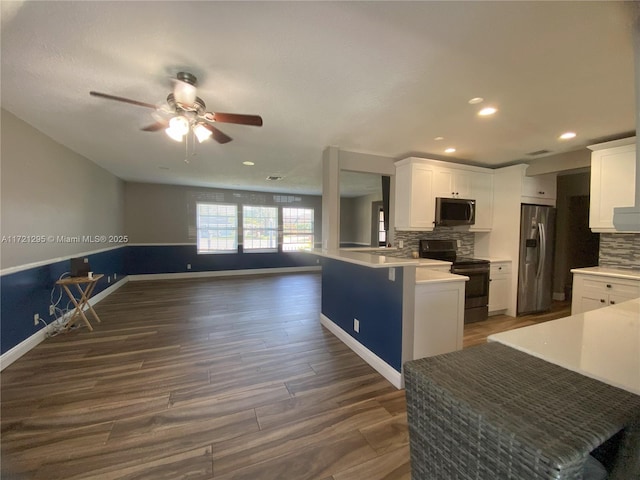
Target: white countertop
[
  {"x": 495, "y": 259},
  {"x": 603, "y": 344},
  {"x": 427, "y": 275},
  {"x": 626, "y": 273},
  {"x": 375, "y": 261}
]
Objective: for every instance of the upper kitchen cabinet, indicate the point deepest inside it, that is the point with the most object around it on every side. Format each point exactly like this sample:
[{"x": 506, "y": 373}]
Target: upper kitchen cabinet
[
  {"x": 414, "y": 201},
  {"x": 540, "y": 189},
  {"x": 452, "y": 183},
  {"x": 482, "y": 193},
  {"x": 419, "y": 181},
  {"x": 613, "y": 167}
]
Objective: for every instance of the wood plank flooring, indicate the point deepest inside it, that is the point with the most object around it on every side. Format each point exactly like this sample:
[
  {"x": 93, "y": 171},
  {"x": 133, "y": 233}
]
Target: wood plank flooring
[{"x": 224, "y": 378}]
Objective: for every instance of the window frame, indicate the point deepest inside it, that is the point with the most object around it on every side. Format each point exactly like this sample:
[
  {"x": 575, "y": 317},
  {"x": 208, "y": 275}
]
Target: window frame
[
  {"x": 286, "y": 233},
  {"x": 234, "y": 249},
  {"x": 275, "y": 230}
]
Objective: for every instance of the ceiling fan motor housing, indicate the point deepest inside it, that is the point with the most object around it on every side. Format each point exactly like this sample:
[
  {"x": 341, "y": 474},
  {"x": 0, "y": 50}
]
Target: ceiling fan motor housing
[{"x": 187, "y": 77}]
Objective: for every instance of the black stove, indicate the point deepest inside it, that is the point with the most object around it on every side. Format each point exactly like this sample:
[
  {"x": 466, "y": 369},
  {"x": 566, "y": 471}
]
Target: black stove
[{"x": 476, "y": 294}]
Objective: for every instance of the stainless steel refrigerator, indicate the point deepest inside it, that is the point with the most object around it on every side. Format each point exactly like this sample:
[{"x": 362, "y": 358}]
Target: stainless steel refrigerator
[{"x": 535, "y": 272}]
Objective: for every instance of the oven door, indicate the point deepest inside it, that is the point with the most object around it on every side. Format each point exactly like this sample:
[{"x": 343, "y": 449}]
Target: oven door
[{"x": 476, "y": 292}]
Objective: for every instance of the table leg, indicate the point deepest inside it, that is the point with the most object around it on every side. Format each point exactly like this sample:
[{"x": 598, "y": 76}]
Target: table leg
[
  {"x": 78, "y": 311},
  {"x": 86, "y": 295}
]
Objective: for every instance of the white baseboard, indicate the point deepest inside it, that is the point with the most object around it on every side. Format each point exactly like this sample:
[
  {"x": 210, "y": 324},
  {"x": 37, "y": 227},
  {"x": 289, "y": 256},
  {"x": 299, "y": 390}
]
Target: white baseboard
[
  {"x": 559, "y": 296},
  {"x": 382, "y": 367},
  {"x": 10, "y": 356},
  {"x": 220, "y": 273}
]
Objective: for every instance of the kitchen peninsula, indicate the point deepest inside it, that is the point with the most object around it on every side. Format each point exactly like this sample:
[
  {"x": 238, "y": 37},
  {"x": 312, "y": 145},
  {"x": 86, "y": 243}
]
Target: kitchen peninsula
[{"x": 389, "y": 309}]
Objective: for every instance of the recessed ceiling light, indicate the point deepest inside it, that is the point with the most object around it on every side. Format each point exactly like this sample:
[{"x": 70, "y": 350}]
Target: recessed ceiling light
[
  {"x": 438, "y": 139},
  {"x": 248, "y": 164},
  {"x": 487, "y": 111},
  {"x": 450, "y": 150},
  {"x": 567, "y": 135},
  {"x": 476, "y": 100}
]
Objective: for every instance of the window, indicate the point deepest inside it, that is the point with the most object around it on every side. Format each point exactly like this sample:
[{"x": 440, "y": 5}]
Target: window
[
  {"x": 217, "y": 227},
  {"x": 260, "y": 228},
  {"x": 297, "y": 228},
  {"x": 382, "y": 233}
]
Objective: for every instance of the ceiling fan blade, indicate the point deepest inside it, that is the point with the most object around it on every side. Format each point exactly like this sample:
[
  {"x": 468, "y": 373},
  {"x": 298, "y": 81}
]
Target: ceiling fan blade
[
  {"x": 154, "y": 127},
  {"x": 218, "y": 136},
  {"x": 240, "y": 119},
  {"x": 122, "y": 99}
]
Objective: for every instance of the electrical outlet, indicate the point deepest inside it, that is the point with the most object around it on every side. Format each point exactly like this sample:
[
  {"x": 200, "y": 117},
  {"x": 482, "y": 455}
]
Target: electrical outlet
[
  {"x": 188, "y": 266},
  {"x": 356, "y": 325},
  {"x": 86, "y": 260},
  {"x": 318, "y": 261},
  {"x": 36, "y": 318},
  {"x": 52, "y": 310},
  {"x": 459, "y": 243},
  {"x": 400, "y": 244},
  {"x": 115, "y": 277},
  {"x": 392, "y": 274},
  {"x": 109, "y": 279}
]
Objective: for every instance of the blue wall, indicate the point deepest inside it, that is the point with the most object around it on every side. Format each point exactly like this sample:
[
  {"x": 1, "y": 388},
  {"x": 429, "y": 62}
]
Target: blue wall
[
  {"x": 352, "y": 291},
  {"x": 27, "y": 292},
  {"x": 22, "y": 294}
]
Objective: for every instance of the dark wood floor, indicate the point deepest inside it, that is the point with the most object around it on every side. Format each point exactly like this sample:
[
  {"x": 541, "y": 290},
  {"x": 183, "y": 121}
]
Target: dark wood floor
[{"x": 206, "y": 379}]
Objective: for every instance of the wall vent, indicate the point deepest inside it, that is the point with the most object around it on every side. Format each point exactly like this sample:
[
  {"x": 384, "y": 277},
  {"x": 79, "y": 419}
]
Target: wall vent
[
  {"x": 274, "y": 178},
  {"x": 538, "y": 152}
]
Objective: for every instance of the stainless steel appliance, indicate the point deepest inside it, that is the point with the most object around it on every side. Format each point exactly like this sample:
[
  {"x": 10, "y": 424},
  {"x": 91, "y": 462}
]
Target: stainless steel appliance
[
  {"x": 451, "y": 212},
  {"x": 537, "y": 233},
  {"x": 476, "y": 292}
]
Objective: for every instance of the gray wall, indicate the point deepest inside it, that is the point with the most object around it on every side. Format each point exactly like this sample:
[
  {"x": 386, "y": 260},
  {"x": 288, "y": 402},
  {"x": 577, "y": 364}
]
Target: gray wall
[
  {"x": 355, "y": 219},
  {"x": 166, "y": 213},
  {"x": 47, "y": 189}
]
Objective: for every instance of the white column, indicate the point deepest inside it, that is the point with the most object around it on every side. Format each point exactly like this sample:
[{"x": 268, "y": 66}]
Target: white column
[{"x": 330, "y": 198}]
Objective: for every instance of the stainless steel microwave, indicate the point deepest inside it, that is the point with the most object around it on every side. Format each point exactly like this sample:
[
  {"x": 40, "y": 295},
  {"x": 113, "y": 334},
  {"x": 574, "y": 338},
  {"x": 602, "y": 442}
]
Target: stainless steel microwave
[{"x": 451, "y": 212}]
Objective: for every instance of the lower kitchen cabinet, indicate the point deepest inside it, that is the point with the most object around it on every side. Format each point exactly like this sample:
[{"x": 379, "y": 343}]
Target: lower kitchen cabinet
[
  {"x": 591, "y": 292},
  {"x": 499, "y": 287}
]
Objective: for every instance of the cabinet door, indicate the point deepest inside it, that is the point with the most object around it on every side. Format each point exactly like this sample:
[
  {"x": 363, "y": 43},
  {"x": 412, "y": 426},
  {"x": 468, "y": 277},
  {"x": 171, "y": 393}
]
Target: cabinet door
[
  {"x": 443, "y": 183},
  {"x": 589, "y": 303},
  {"x": 482, "y": 192},
  {"x": 613, "y": 299},
  {"x": 423, "y": 207},
  {"x": 452, "y": 183},
  {"x": 612, "y": 185},
  {"x": 499, "y": 289},
  {"x": 542, "y": 187}
]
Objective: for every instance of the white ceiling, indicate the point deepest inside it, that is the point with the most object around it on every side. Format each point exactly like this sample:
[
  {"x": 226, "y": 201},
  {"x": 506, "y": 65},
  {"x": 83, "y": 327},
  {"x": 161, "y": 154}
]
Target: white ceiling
[{"x": 374, "y": 77}]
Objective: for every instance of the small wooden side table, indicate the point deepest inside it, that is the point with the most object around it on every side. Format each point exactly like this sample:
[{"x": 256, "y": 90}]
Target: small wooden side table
[{"x": 85, "y": 286}]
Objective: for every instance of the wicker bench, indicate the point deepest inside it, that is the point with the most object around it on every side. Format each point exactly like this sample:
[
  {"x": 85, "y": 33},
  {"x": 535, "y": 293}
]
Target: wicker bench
[{"x": 492, "y": 412}]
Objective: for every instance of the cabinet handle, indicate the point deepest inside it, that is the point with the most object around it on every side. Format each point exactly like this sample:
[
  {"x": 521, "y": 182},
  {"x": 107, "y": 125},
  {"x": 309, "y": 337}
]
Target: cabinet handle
[
  {"x": 602, "y": 300},
  {"x": 491, "y": 279},
  {"x": 612, "y": 302},
  {"x": 541, "y": 193},
  {"x": 499, "y": 268},
  {"x": 608, "y": 286}
]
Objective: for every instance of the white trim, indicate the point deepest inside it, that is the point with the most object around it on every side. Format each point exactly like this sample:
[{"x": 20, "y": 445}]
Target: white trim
[
  {"x": 41, "y": 263},
  {"x": 161, "y": 244},
  {"x": 558, "y": 296},
  {"x": 382, "y": 367},
  {"x": 10, "y": 356},
  {"x": 220, "y": 273}
]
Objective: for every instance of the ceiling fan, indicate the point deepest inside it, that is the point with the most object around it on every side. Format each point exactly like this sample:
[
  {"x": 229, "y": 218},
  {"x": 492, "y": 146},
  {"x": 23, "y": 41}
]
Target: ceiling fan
[{"x": 185, "y": 112}]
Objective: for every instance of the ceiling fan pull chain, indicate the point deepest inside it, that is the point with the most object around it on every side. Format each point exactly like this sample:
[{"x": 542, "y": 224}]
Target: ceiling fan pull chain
[{"x": 186, "y": 149}]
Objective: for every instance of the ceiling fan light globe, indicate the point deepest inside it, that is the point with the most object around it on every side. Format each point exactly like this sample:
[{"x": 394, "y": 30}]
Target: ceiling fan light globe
[
  {"x": 174, "y": 135},
  {"x": 202, "y": 132},
  {"x": 179, "y": 124},
  {"x": 184, "y": 93}
]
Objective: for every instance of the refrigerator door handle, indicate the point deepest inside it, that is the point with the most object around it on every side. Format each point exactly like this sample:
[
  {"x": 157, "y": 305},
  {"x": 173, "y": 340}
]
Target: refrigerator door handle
[{"x": 543, "y": 249}]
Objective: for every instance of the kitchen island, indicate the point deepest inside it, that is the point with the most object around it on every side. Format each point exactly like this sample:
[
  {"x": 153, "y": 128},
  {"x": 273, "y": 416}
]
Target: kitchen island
[{"x": 389, "y": 309}]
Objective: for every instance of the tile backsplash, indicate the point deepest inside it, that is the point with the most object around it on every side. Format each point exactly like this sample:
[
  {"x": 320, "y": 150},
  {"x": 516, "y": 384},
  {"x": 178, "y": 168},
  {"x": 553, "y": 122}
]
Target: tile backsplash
[
  {"x": 412, "y": 239},
  {"x": 619, "y": 250}
]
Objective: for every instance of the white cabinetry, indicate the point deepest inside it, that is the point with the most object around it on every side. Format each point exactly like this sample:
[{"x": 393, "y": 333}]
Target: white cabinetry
[
  {"x": 482, "y": 193},
  {"x": 613, "y": 166},
  {"x": 596, "y": 291},
  {"x": 539, "y": 189},
  {"x": 499, "y": 287},
  {"x": 419, "y": 181},
  {"x": 452, "y": 183},
  {"x": 414, "y": 202},
  {"x": 434, "y": 334}
]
